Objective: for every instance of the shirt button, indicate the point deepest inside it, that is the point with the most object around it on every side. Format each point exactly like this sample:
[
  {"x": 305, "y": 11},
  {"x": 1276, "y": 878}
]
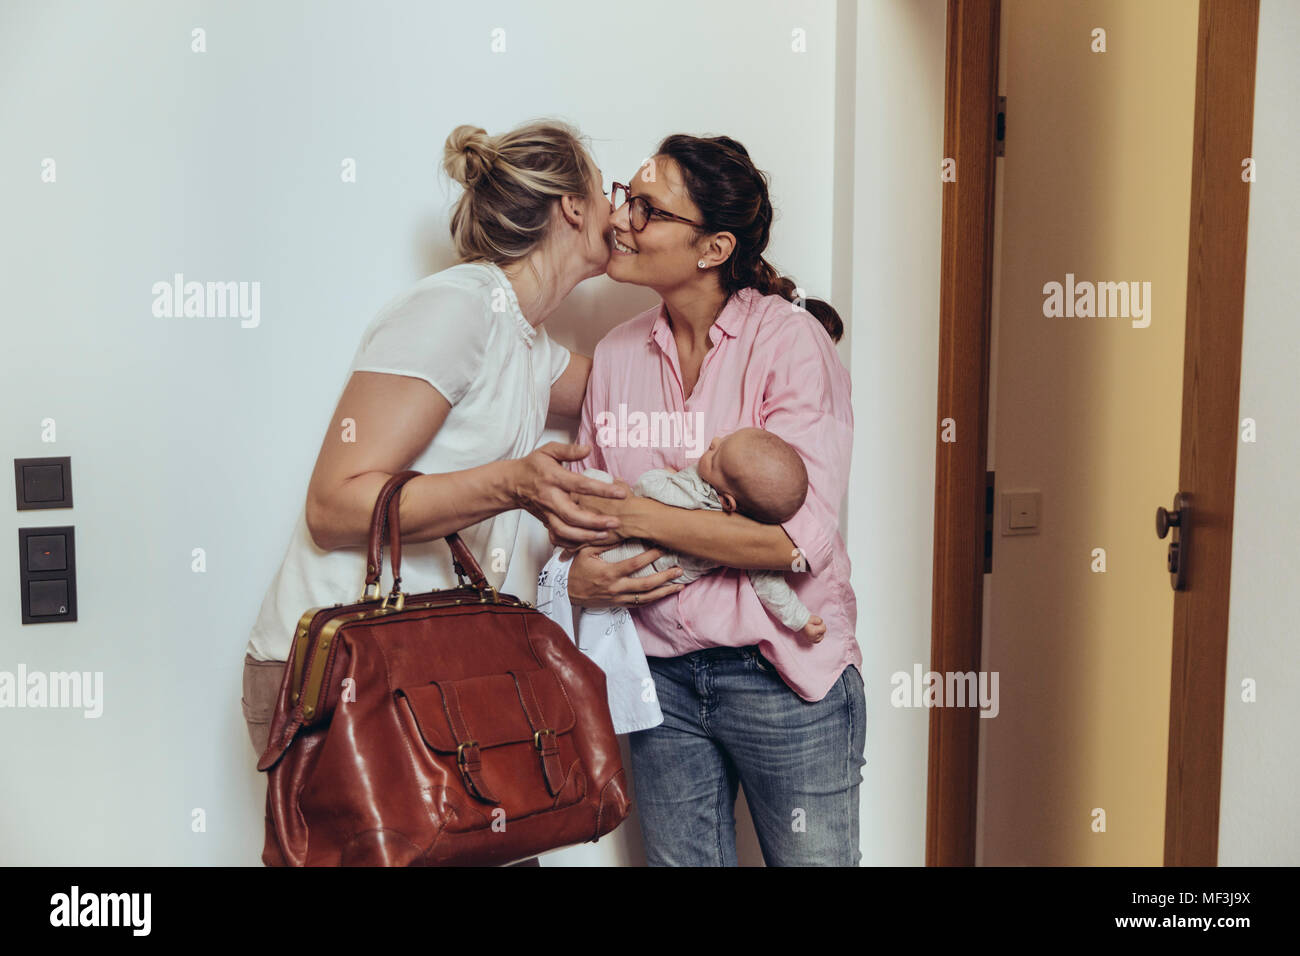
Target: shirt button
[{"x": 679, "y": 626}]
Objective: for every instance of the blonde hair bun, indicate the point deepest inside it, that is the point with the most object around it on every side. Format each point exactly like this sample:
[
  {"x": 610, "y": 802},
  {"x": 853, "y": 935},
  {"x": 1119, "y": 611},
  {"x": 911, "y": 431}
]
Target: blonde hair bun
[
  {"x": 513, "y": 183},
  {"x": 468, "y": 155}
]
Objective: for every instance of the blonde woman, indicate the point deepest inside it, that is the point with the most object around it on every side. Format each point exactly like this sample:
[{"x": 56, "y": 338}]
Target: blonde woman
[{"x": 454, "y": 378}]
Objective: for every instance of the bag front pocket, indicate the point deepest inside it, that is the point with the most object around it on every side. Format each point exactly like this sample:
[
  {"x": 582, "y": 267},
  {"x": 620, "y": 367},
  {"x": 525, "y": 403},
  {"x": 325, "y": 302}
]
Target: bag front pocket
[{"x": 508, "y": 737}]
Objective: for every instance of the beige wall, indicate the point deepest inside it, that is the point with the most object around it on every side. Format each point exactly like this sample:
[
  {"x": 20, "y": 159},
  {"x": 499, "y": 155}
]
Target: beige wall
[{"x": 1095, "y": 182}]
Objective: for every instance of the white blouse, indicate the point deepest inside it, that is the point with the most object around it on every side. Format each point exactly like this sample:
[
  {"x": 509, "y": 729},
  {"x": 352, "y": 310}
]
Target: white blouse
[{"x": 461, "y": 331}]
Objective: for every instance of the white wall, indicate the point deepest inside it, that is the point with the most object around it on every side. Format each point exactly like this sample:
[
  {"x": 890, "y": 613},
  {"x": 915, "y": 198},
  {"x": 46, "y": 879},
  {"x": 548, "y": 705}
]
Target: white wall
[
  {"x": 897, "y": 222},
  {"x": 197, "y": 433},
  {"x": 1261, "y": 772}
]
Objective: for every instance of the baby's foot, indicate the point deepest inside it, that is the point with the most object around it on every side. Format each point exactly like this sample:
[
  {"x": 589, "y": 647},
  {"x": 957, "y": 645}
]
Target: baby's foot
[{"x": 815, "y": 629}]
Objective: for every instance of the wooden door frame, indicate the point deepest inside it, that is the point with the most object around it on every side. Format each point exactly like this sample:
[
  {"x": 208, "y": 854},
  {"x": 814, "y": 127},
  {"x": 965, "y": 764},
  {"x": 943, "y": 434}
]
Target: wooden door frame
[
  {"x": 965, "y": 312},
  {"x": 1225, "y": 89}
]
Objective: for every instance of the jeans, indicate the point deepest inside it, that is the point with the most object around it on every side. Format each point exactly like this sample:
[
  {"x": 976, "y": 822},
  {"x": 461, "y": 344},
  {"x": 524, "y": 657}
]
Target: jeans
[{"x": 729, "y": 718}]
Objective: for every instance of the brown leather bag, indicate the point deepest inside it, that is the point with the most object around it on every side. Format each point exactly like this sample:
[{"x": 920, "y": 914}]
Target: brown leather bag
[{"x": 454, "y": 727}]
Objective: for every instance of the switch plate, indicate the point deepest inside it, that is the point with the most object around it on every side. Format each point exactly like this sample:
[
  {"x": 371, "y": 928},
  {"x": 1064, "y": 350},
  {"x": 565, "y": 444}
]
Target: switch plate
[
  {"x": 47, "y": 573},
  {"x": 43, "y": 483},
  {"x": 1021, "y": 512}
]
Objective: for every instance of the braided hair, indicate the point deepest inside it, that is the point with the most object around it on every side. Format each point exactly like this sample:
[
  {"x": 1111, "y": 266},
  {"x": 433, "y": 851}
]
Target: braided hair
[{"x": 731, "y": 194}]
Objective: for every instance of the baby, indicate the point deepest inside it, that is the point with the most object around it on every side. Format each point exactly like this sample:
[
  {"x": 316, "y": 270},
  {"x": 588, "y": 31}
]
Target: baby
[{"x": 752, "y": 472}]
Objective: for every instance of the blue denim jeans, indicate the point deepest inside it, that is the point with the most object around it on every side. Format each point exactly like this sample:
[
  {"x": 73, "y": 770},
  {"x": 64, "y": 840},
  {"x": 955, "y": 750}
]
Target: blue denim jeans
[{"x": 729, "y": 718}]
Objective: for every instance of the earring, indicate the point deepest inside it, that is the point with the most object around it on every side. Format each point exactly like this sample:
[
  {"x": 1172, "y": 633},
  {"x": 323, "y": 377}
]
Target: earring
[{"x": 700, "y": 264}]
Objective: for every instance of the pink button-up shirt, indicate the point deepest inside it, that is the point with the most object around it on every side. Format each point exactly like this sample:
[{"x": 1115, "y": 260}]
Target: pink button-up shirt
[{"x": 771, "y": 366}]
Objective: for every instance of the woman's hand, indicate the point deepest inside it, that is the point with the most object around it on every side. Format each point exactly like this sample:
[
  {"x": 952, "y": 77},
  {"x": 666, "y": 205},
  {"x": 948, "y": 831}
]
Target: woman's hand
[
  {"x": 545, "y": 488},
  {"x": 609, "y": 506},
  {"x": 595, "y": 582},
  {"x": 622, "y": 509}
]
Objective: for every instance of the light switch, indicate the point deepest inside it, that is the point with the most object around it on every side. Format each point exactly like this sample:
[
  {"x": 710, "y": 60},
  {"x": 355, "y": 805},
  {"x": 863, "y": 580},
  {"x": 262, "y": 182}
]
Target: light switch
[
  {"x": 47, "y": 552},
  {"x": 43, "y": 483},
  {"x": 1020, "y": 512},
  {"x": 49, "y": 598}
]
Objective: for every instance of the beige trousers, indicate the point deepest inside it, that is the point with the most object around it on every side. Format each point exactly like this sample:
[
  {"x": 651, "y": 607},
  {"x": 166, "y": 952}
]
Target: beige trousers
[{"x": 261, "y": 687}]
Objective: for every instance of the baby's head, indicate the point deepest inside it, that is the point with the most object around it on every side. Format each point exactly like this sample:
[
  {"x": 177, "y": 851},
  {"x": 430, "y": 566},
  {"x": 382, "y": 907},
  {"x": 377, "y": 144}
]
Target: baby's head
[{"x": 757, "y": 474}]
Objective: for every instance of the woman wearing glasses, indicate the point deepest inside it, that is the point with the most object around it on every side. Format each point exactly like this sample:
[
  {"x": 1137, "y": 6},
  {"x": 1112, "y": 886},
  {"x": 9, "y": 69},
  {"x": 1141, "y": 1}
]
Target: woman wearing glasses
[{"x": 744, "y": 699}]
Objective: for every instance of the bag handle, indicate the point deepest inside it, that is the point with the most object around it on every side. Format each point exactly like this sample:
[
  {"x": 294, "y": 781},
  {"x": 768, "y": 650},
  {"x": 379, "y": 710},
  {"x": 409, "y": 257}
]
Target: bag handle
[{"x": 385, "y": 523}]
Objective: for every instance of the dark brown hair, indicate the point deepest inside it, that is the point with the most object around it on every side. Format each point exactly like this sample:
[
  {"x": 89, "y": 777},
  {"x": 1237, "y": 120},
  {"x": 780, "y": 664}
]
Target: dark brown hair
[{"x": 731, "y": 194}]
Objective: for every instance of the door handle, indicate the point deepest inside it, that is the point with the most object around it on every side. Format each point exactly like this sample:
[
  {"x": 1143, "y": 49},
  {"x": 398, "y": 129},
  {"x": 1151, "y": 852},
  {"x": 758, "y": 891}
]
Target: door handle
[{"x": 1177, "y": 521}]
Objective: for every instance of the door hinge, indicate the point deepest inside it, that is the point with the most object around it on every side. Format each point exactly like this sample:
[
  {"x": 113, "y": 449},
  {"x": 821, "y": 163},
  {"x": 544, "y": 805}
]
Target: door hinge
[
  {"x": 988, "y": 522},
  {"x": 1000, "y": 140}
]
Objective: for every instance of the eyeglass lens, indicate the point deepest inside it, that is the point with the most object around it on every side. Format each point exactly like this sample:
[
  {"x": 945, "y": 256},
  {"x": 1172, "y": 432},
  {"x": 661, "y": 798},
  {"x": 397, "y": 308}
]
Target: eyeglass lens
[{"x": 638, "y": 212}]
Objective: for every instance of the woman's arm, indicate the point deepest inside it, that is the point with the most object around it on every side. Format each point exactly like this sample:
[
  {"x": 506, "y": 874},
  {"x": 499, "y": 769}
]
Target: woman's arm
[
  {"x": 739, "y": 542},
  {"x": 571, "y": 387},
  {"x": 730, "y": 539},
  {"x": 383, "y": 422}
]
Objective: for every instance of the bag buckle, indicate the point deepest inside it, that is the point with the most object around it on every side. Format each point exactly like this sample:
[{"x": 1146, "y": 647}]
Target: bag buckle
[
  {"x": 537, "y": 737},
  {"x": 460, "y": 751}
]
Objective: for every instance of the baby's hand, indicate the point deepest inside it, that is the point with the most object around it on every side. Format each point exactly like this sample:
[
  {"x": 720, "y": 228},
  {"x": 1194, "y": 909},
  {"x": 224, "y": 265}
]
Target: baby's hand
[{"x": 815, "y": 629}]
